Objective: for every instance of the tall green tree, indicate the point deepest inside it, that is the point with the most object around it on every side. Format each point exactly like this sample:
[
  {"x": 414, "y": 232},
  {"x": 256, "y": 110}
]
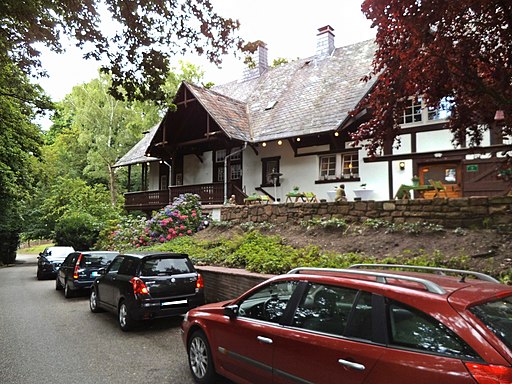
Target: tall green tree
[
  {"x": 20, "y": 142},
  {"x": 436, "y": 49},
  {"x": 147, "y": 33}
]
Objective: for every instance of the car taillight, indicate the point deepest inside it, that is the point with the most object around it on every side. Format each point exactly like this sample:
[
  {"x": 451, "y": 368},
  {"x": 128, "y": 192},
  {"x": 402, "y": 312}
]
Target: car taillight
[
  {"x": 139, "y": 288},
  {"x": 200, "y": 282},
  {"x": 490, "y": 374},
  {"x": 77, "y": 267}
]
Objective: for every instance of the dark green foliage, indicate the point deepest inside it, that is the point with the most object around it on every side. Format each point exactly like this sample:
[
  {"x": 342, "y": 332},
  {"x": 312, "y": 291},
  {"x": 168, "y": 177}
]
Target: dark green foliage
[{"x": 78, "y": 230}]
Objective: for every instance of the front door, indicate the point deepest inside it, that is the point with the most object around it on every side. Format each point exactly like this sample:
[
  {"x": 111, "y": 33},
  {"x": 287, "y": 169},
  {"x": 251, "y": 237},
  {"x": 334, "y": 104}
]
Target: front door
[{"x": 449, "y": 174}]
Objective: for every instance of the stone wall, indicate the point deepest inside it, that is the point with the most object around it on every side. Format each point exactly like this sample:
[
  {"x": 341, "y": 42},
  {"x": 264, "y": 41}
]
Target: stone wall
[{"x": 451, "y": 213}]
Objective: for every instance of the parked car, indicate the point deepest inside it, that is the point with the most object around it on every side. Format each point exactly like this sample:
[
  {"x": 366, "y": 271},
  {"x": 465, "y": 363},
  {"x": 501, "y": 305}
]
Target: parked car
[
  {"x": 357, "y": 325},
  {"x": 50, "y": 260},
  {"x": 147, "y": 286},
  {"x": 78, "y": 271}
]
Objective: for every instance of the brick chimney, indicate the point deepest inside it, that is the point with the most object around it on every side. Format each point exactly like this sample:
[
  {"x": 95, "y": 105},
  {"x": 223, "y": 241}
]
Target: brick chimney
[
  {"x": 325, "y": 41},
  {"x": 260, "y": 62}
]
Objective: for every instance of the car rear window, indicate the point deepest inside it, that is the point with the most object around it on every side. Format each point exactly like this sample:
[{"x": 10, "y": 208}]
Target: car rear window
[
  {"x": 97, "y": 259},
  {"x": 166, "y": 266},
  {"x": 497, "y": 316}
]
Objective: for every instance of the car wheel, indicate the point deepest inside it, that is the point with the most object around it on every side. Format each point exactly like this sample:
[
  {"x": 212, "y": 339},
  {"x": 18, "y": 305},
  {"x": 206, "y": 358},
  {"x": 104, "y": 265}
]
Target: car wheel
[
  {"x": 58, "y": 285},
  {"x": 124, "y": 317},
  {"x": 93, "y": 302},
  {"x": 200, "y": 359},
  {"x": 67, "y": 291}
]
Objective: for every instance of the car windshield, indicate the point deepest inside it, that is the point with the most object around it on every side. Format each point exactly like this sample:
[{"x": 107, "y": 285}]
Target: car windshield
[
  {"x": 165, "y": 266},
  {"x": 97, "y": 259},
  {"x": 497, "y": 316}
]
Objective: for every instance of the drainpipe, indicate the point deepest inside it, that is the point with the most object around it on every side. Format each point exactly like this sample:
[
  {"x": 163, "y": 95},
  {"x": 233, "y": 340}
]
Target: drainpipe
[{"x": 226, "y": 171}]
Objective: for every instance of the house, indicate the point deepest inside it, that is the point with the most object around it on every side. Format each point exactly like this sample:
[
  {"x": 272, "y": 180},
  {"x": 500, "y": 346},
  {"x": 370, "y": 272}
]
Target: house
[{"x": 288, "y": 126}]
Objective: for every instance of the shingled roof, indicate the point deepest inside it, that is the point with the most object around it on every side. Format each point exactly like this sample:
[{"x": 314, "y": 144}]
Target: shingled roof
[
  {"x": 305, "y": 96},
  {"x": 137, "y": 154}
]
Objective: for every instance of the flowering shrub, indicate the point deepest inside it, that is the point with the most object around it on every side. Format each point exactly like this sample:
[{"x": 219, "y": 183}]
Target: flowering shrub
[{"x": 182, "y": 218}]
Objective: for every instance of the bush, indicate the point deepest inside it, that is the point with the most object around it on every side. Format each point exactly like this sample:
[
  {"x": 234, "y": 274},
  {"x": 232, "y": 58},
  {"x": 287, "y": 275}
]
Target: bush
[
  {"x": 78, "y": 230},
  {"x": 9, "y": 241}
]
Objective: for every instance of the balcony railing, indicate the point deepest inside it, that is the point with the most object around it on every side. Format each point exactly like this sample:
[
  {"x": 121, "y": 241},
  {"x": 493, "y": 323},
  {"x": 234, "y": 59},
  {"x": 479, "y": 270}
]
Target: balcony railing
[{"x": 152, "y": 200}]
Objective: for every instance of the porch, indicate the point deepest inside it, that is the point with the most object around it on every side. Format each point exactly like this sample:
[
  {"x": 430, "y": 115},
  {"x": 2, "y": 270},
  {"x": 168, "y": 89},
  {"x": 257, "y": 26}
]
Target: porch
[{"x": 210, "y": 193}]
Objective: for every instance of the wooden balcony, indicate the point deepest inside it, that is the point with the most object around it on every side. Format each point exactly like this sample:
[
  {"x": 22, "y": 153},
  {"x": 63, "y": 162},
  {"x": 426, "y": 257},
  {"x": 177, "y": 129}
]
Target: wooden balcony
[{"x": 148, "y": 201}]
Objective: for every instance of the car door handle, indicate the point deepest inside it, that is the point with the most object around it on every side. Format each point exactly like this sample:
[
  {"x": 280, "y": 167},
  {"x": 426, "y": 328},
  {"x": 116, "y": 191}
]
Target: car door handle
[
  {"x": 265, "y": 340},
  {"x": 351, "y": 364}
]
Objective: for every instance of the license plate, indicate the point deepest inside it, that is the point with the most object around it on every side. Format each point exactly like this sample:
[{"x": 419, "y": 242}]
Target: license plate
[{"x": 177, "y": 302}]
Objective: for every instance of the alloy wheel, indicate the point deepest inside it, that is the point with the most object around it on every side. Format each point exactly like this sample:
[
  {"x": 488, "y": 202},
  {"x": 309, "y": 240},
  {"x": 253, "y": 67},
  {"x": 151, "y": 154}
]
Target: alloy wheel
[{"x": 198, "y": 357}]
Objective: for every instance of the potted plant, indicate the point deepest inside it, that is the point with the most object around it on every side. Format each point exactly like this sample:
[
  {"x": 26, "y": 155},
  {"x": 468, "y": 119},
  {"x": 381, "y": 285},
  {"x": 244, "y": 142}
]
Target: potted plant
[{"x": 415, "y": 181}]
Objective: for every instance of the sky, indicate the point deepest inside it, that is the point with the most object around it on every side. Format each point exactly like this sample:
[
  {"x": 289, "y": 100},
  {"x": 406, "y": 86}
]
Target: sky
[{"x": 288, "y": 27}]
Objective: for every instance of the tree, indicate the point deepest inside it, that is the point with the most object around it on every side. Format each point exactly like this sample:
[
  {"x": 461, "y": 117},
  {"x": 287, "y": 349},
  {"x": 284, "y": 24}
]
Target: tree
[
  {"x": 440, "y": 50},
  {"x": 19, "y": 147},
  {"x": 147, "y": 33}
]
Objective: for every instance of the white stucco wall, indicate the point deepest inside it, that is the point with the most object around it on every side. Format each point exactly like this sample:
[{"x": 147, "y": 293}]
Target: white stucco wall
[
  {"x": 154, "y": 176},
  {"x": 197, "y": 172},
  {"x": 434, "y": 141}
]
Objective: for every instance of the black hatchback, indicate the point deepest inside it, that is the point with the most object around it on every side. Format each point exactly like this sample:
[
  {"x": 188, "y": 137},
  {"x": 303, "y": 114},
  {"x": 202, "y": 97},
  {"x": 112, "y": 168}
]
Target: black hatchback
[
  {"x": 146, "y": 286},
  {"x": 80, "y": 269}
]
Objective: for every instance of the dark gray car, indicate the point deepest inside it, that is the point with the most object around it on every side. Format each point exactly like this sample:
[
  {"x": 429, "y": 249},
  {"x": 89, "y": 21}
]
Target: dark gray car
[
  {"x": 145, "y": 286},
  {"x": 80, "y": 269}
]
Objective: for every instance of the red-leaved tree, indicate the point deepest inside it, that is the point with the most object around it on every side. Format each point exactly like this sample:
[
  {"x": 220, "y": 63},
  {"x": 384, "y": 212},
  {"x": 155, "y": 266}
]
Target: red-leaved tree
[{"x": 436, "y": 49}]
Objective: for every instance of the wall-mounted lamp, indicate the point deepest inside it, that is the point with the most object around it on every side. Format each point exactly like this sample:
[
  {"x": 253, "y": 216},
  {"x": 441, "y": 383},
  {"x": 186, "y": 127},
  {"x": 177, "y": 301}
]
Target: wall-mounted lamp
[
  {"x": 298, "y": 139},
  {"x": 401, "y": 165},
  {"x": 437, "y": 155},
  {"x": 336, "y": 133},
  {"x": 279, "y": 142},
  {"x": 264, "y": 144},
  {"x": 500, "y": 115}
]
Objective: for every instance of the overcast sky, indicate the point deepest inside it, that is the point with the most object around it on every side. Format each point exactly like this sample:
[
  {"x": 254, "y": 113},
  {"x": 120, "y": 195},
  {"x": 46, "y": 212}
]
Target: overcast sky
[{"x": 288, "y": 27}]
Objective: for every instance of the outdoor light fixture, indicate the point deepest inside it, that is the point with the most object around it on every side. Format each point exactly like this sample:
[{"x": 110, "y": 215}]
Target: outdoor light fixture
[
  {"x": 437, "y": 155},
  {"x": 500, "y": 115},
  {"x": 336, "y": 133},
  {"x": 279, "y": 142},
  {"x": 263, "y": 144},
  {"x": 298, "y": 138},
  {"x": 401, "y": 165}
]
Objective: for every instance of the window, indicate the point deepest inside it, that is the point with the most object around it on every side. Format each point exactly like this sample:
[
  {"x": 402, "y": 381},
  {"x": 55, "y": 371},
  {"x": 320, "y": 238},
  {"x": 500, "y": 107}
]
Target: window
[
  {"x": 417, "y": 112},
  {"x": 156, "y": 267},
  {"x": 327, "y": 166},
  {"x": 350, "y": 164},
  {"x": 339, "y": 166},
  {"x": 268, "y": 303},
  {"x": 220, "y": 174},
  {"x": 128, "y": 267},
  {"x": 412, "y": 113},
  {"x": 361, "y": 324},
  {"x": 325, "y": 309},
  {"x": 497, "y": 316},
  {"x": 220, "y": 155},
  {"x": 270, "y": 165},
  {"x": 413, "y": 329},
  {"x": 114, "y": 266},
  {"x": 236, "y": 171}
]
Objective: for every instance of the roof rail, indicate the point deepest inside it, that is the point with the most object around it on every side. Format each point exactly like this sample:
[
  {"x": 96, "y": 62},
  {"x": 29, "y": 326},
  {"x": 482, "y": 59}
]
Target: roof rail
[
  {"x": 463, "y": 273},
  {"x": 380, "y": 277}
]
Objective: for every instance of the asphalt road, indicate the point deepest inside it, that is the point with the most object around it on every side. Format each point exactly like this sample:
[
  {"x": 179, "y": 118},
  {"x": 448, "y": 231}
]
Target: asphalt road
[{"x": 45, "y": 338}]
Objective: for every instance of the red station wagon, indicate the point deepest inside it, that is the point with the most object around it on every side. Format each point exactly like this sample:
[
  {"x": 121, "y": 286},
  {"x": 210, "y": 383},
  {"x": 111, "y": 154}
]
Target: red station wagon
[{"x": 364, "y": 324}]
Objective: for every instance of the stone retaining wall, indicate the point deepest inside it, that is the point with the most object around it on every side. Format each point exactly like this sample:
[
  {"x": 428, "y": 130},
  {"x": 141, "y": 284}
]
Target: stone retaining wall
[{"x": 451, "y": 213}]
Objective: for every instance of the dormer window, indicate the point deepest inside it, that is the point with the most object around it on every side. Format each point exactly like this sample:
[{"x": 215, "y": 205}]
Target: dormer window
[{"x": 416, "y": 112}]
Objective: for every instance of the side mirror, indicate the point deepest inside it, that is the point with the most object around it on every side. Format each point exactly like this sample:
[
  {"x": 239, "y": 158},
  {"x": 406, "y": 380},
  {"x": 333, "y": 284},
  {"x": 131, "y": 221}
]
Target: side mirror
[
  {"x": 231, "y": 311},
  {"x": 101, "y": 271},
  {"x": 41, "y": 254}
]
